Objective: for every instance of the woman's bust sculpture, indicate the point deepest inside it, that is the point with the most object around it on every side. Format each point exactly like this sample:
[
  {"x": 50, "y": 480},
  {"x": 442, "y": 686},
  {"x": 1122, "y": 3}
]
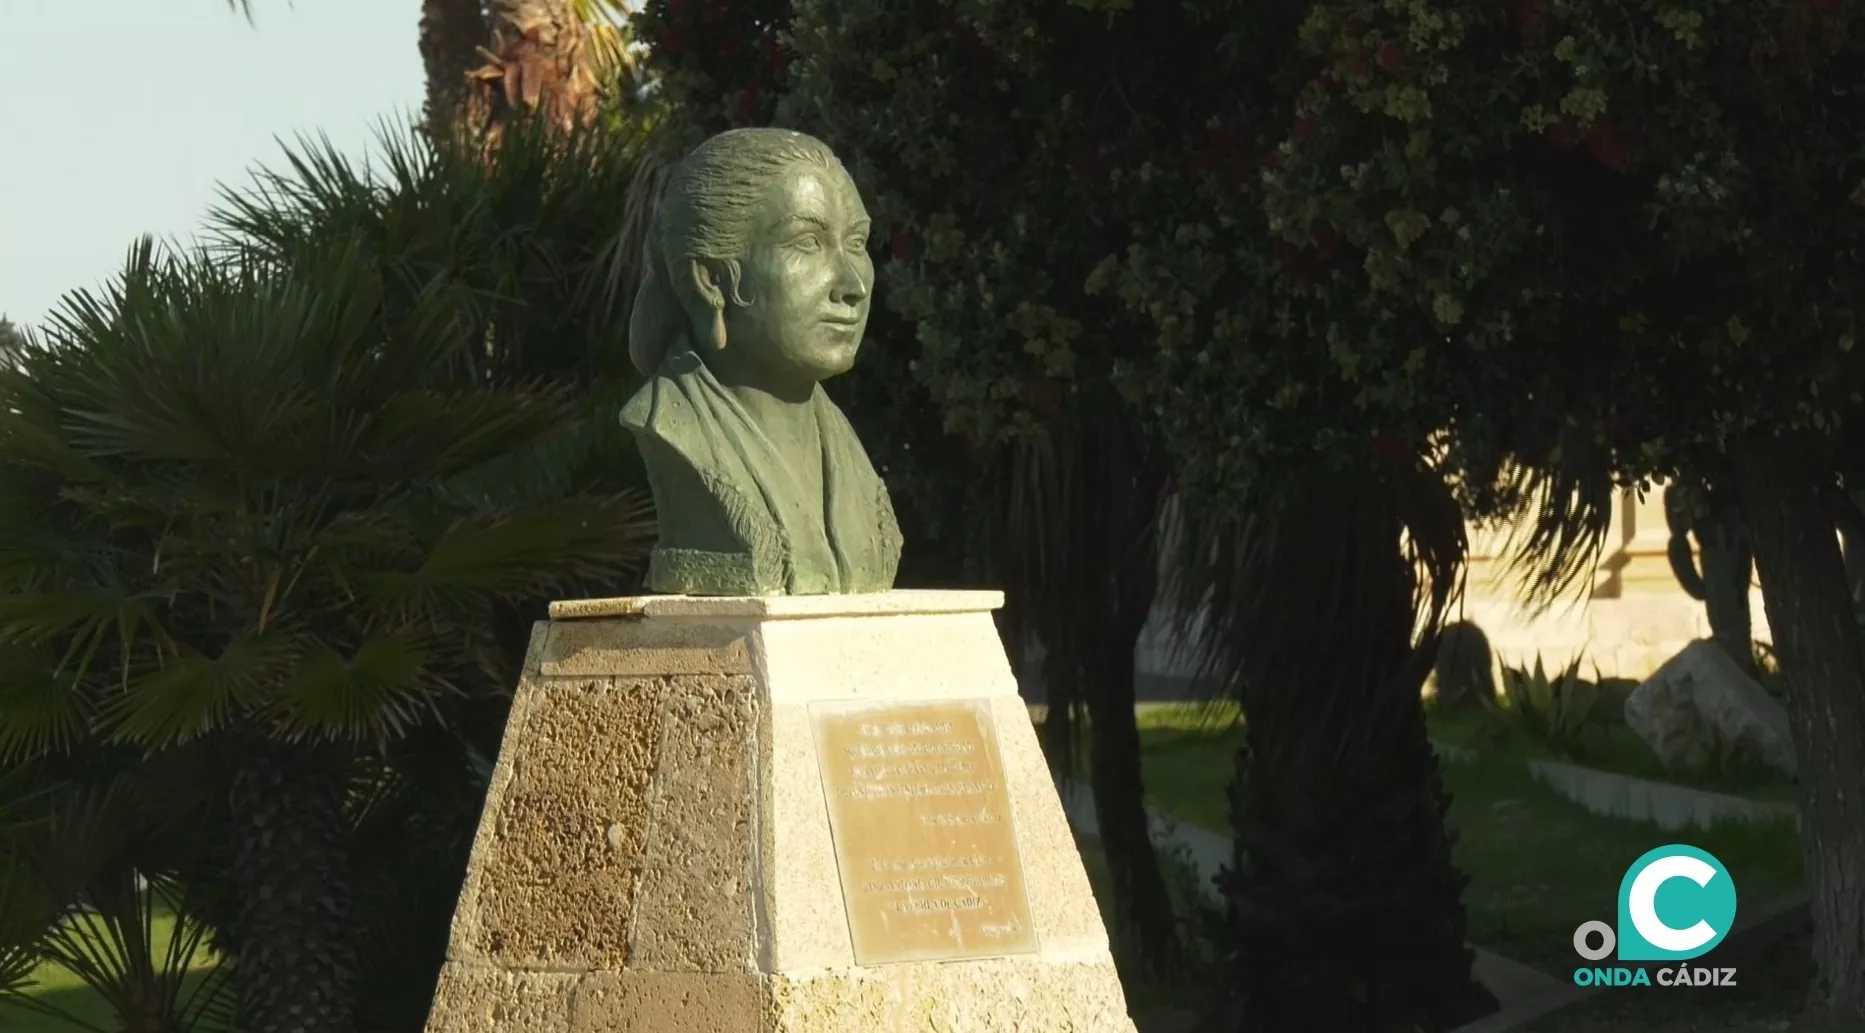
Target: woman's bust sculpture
[{"x": 757, "y": 289}]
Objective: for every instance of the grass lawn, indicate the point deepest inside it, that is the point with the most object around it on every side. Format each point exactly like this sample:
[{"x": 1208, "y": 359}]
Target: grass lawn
[
  {"x": 1187, "y": 755},
  {"x": 1539, "y": 865},
  {"x": 57, "y": 986}
]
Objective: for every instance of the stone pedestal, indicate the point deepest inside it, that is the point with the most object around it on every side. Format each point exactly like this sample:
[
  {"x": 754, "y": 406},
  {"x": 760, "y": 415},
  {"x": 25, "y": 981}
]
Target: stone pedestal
[{"x": 774, "y": 815}]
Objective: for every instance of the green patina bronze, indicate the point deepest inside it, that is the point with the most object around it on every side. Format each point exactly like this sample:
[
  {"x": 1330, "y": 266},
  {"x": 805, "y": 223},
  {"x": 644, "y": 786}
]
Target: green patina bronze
[{"x": 757, "y": 290}]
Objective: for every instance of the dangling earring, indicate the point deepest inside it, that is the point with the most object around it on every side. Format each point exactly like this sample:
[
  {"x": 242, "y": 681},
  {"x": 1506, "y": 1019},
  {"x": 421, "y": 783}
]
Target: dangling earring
[{"x": 718, "y": 328}]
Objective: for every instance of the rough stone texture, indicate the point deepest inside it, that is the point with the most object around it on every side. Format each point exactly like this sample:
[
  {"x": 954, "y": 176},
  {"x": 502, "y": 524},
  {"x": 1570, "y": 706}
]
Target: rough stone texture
[
  {"x": 1053, "y": 875},
  {"x": 1011, "y": 995},
  {"x": 556, "y": 881},
  {"x": 669, "y": 1002},
  {"x": 802, "y": 891},
  {"x": 606, "y": 649},
  {"x": 1700, "y": 697},
  {"x": 693, "y": 911},
  {"x": 478, "y": 999}
]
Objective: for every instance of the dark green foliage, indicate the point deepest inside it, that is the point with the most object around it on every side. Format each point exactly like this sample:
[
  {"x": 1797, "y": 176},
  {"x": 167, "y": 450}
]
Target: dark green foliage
[
  {"x": 1543, "y": 228},
  {"x": 75, "y": 834},
  {"x": 1625, "y": 240},
  {"x": 526, "y": 245},
  {"x": 720, "y": 63},
  {"x": 258, "y": 492},
  {"x": 296, "y": 502}
]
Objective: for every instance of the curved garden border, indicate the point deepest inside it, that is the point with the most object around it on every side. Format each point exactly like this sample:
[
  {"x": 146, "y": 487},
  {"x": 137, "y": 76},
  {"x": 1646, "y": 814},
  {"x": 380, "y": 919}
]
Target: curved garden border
[{"x": 1670, "y": 807}]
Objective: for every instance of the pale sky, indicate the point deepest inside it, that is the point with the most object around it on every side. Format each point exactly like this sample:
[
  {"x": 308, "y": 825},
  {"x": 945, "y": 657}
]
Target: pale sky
[{"x": 121, "y": 117}]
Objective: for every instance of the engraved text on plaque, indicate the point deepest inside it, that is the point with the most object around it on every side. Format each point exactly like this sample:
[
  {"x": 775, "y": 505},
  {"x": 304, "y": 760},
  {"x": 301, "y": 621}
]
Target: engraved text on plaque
[{"x": 922, "y": 828}]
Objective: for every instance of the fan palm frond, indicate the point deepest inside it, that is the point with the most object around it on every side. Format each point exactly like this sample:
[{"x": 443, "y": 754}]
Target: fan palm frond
[
  {"x": 1246, "y": 607},
  {"x": 1561, "y": 517},
  {"x": 290, "y": 447},
  {"x": 194, "y": 693},
  {"x": 523, "y": 236},
  {"x": 104, "y": 842}
]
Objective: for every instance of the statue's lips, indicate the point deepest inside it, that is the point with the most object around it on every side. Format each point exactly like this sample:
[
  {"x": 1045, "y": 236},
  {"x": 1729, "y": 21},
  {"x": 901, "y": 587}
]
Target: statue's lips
[{"x": 850, "y": 323}]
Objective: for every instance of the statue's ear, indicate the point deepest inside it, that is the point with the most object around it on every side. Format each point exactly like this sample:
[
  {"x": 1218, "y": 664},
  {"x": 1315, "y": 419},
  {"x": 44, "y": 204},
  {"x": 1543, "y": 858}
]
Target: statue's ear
[
  {"x": 709, "y": 326},
  {"x": 706, "y": 285}
]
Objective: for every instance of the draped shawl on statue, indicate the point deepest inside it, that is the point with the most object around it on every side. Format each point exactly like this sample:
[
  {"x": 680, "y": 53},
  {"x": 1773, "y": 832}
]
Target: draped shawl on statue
[{"x": 735, "y": 519}]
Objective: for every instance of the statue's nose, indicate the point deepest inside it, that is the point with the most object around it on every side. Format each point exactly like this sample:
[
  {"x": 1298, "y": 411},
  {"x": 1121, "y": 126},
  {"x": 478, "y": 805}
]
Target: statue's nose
[{"x": 850, "y": 286}]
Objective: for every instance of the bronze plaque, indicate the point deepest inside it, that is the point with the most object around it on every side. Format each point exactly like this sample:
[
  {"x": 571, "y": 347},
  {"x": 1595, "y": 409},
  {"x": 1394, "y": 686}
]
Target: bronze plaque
[{"x": 922, "y": 828}]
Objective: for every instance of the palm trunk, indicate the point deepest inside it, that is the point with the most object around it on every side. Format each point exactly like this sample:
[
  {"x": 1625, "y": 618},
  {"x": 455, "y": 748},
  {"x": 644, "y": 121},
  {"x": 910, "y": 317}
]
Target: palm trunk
[
  {"x": 296, "y": 967},
  {"x": 1786, "y": 487},
  {"x": 1116, "y": 562},
  {"x": 544, "y": 64},
  {"x": 1345, "y": 904},
  {"x": 452, "y": 31},
  {"x": 1082, "y": 561}
]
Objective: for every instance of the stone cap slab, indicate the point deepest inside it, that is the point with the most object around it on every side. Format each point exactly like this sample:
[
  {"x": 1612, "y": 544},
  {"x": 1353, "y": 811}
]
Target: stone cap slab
[{"x": 778, "y": 607}]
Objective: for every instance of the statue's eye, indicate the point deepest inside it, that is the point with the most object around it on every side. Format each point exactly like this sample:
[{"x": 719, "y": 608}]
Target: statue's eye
[
  {"x": 806, "y": 242},
  {"x": 858, "y": 242}
]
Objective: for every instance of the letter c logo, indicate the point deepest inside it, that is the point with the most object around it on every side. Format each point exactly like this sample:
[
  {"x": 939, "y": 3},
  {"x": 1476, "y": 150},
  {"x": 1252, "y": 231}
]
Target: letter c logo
[{"x": 1675, "y": 903}]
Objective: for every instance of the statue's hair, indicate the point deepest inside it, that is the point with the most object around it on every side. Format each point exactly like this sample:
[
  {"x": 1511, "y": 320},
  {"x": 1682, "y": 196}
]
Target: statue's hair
[{"x": 705, "y": 212}]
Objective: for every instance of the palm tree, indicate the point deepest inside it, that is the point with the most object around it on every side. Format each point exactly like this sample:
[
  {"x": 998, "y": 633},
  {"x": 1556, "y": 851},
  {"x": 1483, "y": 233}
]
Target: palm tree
[
  {"x": 258, "y": 500},
  {"x": 90, "y": 844},
  {"x": 487, "y": 61},
  {"x": 1075, "y": 524},
  {"x": 1322, "y": 617},
  {"x": 452, "y": 33}
]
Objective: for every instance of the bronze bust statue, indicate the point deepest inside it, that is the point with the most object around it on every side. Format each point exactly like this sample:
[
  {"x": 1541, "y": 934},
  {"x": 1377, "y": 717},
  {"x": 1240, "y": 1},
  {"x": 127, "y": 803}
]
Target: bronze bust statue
[{"x": 757, "y": 289}]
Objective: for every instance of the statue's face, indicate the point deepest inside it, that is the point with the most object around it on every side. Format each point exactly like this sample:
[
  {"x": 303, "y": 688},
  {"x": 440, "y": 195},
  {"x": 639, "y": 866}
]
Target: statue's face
[{"x": 808, "y": 279}]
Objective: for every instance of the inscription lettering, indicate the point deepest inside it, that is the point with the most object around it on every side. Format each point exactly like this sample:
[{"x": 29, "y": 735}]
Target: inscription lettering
[{"x": 920, "y": 819}]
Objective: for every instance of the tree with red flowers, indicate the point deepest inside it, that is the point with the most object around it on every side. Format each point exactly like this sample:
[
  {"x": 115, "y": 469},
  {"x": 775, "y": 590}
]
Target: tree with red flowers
[{"x": 1636, "y": 231}]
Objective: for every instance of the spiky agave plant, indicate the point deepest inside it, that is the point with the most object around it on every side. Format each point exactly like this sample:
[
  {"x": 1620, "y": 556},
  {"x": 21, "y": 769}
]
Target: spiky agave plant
[{"x": 246, "y": 504}]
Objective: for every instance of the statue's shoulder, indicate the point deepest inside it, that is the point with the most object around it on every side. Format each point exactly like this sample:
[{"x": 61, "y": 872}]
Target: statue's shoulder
[{"x": 714, "y": 536}]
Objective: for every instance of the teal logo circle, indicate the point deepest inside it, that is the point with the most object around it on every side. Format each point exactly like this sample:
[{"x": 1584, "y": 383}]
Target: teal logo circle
[{"x": 1675, "y": 903}]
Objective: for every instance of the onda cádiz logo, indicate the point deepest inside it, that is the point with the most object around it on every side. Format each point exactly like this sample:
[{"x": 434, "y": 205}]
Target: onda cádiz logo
[{"x": 1676, "y": 903}]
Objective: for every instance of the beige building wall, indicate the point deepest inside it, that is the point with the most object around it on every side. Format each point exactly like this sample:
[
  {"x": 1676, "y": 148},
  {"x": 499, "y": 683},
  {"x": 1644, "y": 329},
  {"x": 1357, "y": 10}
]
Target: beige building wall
[
  {"x": 1627, "y": 619},
  {"x": 1631, "y": 618}
]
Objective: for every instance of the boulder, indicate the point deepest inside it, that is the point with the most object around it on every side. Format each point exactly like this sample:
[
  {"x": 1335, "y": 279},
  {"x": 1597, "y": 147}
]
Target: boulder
[
  {"x": 1701, "y": 697},
  {"x": 1464, "y": 674}
]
